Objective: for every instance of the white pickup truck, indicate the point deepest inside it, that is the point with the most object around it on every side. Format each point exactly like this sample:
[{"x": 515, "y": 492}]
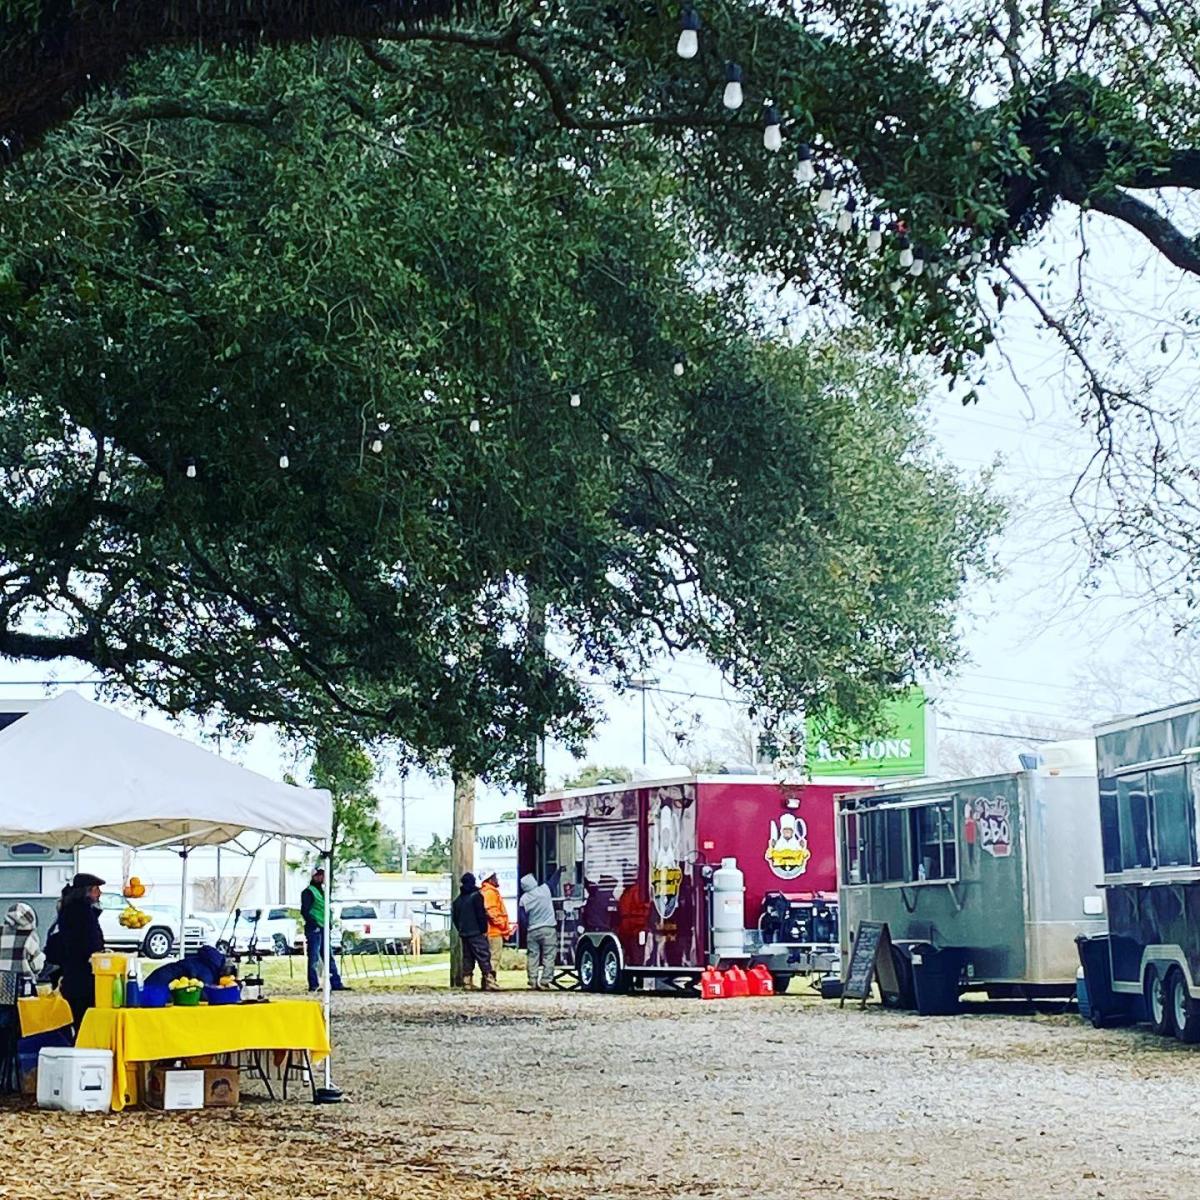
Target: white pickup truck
[{"x": 364, "y": 930}]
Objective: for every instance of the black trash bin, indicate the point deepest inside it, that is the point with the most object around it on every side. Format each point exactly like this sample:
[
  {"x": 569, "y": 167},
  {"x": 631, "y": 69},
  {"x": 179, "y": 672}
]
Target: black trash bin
[
  {"x": 936, "y": 973},
  {"x": 1107, "y": 1007},
  {"x": 903, "y": 996}
]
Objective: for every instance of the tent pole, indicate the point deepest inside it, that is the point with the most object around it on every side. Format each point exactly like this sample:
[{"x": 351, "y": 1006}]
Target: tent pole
[
  {"x": 183, "y": 854},
  {"x": 327, "y": 951}
]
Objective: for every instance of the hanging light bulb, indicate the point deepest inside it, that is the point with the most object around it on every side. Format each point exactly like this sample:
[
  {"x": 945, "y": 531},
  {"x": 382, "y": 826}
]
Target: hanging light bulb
[
  {"x": 875, "y": 236},
  {"x": 906, "y": 254},
  {"x": 689, "y": 34},
  {"x": 474, "y": 426},
  {"x": 284, "y": 461},
  {"x": 576, "y": 400},
  {"x": 678, "y": 368},
  {"x": 733, "y": 86},
  {"x": 102, "y": 477},
  {"x": 845, "y": 221},
  {"x": 772, "y": 134},
  {"x": 826, "y": 195},
  {"x": 190, "y": 468},
  {"x": 805, "y": 171},
  {"x": 918, "y": 262},
  {"x": 377, "y": 445}
]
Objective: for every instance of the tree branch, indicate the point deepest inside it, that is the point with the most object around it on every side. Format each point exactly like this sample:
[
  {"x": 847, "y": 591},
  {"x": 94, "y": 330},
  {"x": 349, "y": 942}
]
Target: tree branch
[
  {"x": 1161, "y": 233},
  {"x": 168, "y": 108}
]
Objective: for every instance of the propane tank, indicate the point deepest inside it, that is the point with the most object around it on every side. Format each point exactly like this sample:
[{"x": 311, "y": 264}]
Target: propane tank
[{"x": 729, "y": 910}]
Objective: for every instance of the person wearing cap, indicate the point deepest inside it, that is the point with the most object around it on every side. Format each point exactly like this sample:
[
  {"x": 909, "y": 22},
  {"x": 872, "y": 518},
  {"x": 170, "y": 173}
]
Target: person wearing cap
[
  {"x": 312, "y": 909},
  {"x": 499, "y": 926},
  {"x": 469, "y": 916},
  {"x": 79, "y": 937}
]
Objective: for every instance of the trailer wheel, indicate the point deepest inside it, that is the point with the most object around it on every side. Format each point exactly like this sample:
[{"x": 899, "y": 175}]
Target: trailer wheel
[
  {"x": 782, "y": 982},
  {"x": 1185, "y": 1012},
  {"x": 589, "y": 969},
  {"x": 613, "y": 978},
  {"x": 1158, "y": 1003}
]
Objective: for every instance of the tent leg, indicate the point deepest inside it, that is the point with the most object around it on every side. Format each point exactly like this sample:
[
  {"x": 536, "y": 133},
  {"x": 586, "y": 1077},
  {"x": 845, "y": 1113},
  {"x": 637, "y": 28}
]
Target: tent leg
[
  {"x": 328, "y": 1094},
  {"x": 183, "y": 904}
]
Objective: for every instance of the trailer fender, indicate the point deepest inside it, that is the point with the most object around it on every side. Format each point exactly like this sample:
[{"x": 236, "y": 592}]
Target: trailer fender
[
  {"x": 1164, "y": 957},
  {"x": 599, "y": 942}
]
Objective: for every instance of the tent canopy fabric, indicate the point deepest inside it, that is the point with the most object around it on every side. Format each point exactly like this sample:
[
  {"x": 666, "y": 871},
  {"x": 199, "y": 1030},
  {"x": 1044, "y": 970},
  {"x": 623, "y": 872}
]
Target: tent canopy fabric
[{"x": 74, "y": 773}]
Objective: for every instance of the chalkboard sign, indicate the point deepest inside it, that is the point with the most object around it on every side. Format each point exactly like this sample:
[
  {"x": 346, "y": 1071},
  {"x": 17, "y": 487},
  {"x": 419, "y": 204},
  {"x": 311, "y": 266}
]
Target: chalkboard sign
[{"x": 871, "y": 955}]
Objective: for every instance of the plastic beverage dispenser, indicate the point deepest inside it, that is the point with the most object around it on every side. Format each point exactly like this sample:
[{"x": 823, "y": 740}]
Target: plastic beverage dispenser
[{"x": 729, "y": 910}]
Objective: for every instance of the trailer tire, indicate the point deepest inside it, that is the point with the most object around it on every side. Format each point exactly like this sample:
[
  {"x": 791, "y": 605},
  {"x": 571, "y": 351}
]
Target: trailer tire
[
  {"x": 1185, "y": 1012},
  {"x": 588, "y": 966},
  {"x": 613, "y": 978},
  {"x": 781, "y": 983},
  {"x": 1158, "y": 1003}
]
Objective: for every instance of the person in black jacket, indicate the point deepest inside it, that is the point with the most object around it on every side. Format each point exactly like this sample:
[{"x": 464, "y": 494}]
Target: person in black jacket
[
  {"x": 469, "y": 915},
  {"x": 79, "y": 937}
]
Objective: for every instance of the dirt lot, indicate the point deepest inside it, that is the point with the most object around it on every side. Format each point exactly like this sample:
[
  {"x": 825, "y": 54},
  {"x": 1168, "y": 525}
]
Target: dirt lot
[{"x": 561, "y": 1096}]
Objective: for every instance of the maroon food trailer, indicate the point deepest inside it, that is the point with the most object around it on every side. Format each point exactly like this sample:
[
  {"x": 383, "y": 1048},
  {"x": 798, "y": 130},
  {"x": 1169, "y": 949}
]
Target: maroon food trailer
[{"x": 656, "y": 880}]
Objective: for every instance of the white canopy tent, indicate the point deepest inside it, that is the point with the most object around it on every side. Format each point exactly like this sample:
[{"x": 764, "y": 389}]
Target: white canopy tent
[{"x": 74, "y": 773}]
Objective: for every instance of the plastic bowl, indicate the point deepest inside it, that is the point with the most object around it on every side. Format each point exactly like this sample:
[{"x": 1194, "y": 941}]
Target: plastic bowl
[
  {"x": 154, "y": 996},
  {"x": 223, "y": 995},
  {"x": 187, "y": 997}
]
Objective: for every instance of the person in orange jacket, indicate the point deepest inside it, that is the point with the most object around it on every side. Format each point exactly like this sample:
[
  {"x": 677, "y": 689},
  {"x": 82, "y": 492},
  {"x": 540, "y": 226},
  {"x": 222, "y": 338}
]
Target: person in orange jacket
[{"x": 499, "y": 926}]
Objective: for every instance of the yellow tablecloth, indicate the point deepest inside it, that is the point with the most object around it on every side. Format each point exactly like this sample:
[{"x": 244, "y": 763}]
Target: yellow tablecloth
[
  {"x": 147, "y": 1034},
  {"x": 41, "y": 1014}
]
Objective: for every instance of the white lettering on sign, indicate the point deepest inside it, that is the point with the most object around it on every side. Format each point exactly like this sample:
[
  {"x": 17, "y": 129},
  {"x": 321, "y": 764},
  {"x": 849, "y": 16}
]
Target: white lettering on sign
[{"x": 869, "y": 749}]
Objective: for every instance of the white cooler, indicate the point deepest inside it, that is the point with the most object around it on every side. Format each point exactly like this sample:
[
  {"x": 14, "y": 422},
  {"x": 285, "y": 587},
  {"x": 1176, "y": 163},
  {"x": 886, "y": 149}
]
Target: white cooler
[{"x": 75, "y": 1080}]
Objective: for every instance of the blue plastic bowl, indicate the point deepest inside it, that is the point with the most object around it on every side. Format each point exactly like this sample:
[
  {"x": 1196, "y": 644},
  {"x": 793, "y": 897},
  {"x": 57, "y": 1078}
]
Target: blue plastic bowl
[
  {"x": 223, "y": 995},
  {"x": 154, "y": 996}
]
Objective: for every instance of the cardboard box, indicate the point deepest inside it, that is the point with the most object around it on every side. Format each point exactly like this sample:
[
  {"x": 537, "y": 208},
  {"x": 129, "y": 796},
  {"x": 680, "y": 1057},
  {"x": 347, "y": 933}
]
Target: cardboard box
[
  {"x": 175, "y": 1089},
  {"x": 221, "y": 1087}
]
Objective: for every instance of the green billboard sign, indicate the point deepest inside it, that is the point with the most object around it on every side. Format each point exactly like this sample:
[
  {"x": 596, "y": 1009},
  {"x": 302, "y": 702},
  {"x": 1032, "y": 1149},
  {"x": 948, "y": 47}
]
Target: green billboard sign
[{"x": 900, "y": 750}]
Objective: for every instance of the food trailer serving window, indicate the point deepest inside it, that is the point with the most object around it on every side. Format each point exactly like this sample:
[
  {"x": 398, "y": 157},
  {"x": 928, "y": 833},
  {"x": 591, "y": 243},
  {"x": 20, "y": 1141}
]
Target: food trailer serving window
[
  {"x": 901, "y": 843},
  {"x": 1148, "y": 820}
]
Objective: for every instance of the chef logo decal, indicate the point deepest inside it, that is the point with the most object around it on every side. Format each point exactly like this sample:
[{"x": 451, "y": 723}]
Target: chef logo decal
[
  {"x": 666, "y": 874},
  {"x": 994, "y": 831},
  {"x": 787, "y": 849}
]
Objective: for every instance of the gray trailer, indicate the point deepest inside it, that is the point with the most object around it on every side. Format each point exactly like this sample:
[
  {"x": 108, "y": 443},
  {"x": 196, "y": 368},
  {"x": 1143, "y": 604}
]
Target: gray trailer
[{"x": 1000, "y": 874}]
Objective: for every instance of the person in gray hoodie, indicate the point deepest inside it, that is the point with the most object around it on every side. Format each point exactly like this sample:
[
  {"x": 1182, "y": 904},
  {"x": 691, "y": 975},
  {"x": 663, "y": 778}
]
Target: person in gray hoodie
[{"x": 536, "y": 914}]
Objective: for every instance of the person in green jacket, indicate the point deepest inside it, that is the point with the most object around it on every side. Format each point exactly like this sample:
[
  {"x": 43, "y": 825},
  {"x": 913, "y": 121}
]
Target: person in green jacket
[{"x": 312, "y": 909}]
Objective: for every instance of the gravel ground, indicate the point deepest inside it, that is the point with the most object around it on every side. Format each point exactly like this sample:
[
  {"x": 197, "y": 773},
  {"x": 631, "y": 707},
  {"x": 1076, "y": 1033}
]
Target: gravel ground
[{"x": 572, "y": 1096}]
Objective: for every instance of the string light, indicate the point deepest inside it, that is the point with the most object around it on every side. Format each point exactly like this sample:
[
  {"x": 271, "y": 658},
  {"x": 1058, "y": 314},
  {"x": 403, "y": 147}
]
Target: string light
[
  {"x": 377, "y": 445},
  {"x": 845, "y": 221},
  {"x": 689, "y": 34},
  {"x": 805, "y": 171},
  {"x": 474, "y": 426},
  {"x": 906, "y": 254},
  {"x": 678, "y": 368},
  {"x": 917, "y": 266},
  {"x": 733, "y": 86},
  {"x": 772, "y": 134},
  {"x": 103, "y": 478},
  {"x": 875, "y": 236},
  {"x": 190, "y": 468},
  {"x": 284, "y": 461},
  {"x": 576, "y": 400},
  {"x": 826, "y": 195}
]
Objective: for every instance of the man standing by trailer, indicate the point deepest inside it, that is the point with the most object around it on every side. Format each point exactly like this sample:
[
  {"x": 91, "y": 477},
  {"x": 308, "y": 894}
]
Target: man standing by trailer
[
  {"x": 536, "y": 913},
  {"x": 312, "y": 909}
]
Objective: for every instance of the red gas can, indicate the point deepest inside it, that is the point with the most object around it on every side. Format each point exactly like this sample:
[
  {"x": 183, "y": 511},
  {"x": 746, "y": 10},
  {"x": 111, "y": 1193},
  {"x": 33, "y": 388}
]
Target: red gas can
[
  {"x": 761, "y": 983},
  {"x": 736, "y": 982},
  {"x": 712, "y": 985}
]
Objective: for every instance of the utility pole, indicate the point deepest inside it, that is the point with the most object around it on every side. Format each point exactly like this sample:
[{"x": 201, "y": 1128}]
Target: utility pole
[{"x": 643, "y": 683}]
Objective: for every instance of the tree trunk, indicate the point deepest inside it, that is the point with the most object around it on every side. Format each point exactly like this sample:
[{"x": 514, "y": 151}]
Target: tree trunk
[
  {"x": 535, "y": 653},
  {"x": 462, "y": 858}
]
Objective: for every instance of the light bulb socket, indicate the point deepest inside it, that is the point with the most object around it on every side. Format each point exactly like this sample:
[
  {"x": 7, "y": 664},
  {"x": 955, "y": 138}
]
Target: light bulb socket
[
  {"x": 733, "y": 73},
  {"x": 804, "y": 151},
  {"x": 690, "y": 20}
]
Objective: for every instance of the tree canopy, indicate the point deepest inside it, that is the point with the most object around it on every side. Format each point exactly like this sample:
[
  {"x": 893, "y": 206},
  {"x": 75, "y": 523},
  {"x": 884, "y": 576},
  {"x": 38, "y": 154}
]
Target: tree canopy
[{"x": 307, "y": 389}]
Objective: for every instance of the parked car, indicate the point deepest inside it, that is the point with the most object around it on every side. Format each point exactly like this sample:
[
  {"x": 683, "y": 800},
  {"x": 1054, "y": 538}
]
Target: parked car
[
  {"x": 287, "y": 935},
  {"x": 364, "y": 930},
  {"x": 157, "y": 938}
]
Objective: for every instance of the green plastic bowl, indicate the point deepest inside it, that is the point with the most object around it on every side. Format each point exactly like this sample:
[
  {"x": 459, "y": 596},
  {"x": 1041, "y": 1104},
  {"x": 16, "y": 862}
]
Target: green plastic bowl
[{"x": 188, "y": 997}]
